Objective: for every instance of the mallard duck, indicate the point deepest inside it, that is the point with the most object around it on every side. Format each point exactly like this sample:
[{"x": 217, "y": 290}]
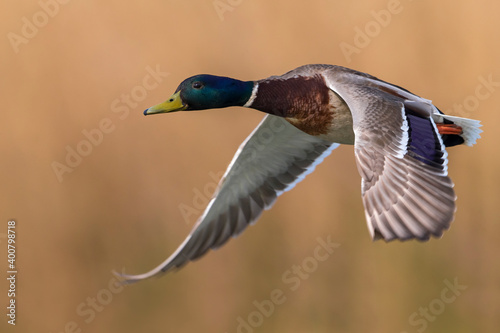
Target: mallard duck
[{"x": 399, "y": 143}]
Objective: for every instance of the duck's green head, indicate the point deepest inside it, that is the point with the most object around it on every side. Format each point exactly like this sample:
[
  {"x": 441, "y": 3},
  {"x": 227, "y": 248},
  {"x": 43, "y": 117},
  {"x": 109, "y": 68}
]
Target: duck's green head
[{"x": 204, "y": 91}]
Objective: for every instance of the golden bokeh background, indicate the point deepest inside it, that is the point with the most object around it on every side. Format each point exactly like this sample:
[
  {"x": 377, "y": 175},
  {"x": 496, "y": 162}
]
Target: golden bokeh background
[{"x": 84, "y": 70}]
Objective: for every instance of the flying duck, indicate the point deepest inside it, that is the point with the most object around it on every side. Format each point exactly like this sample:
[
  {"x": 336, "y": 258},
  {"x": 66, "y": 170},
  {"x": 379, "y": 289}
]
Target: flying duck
[{"x": 399, "y": 143}]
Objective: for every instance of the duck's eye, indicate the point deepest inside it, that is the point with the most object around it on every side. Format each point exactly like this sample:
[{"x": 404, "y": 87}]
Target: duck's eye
[{"x": 197, "y": 85}]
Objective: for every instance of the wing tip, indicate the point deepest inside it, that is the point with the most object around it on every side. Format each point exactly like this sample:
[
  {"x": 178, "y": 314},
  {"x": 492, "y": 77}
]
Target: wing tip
[
  {"x": 127, "y": 279},
  {"x": 427, "y": 236}
]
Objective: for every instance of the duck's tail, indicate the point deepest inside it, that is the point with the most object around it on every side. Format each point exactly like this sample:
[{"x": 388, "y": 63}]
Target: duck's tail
[{"x": 470, "y": 129}]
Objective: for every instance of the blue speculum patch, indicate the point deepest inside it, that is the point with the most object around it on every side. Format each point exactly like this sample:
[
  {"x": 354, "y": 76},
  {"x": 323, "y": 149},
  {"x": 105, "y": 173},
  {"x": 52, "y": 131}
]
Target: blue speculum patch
[{"x": 423, "y": 143}]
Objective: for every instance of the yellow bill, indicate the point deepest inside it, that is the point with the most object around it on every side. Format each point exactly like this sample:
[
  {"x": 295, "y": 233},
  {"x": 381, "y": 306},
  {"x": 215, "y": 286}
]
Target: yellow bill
[{"x": 174, "y": 103}]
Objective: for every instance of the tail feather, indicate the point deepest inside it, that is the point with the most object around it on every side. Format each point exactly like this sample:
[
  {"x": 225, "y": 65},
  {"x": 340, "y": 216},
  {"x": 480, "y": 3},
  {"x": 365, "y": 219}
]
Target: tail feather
[{"x": 471, "y": 127}]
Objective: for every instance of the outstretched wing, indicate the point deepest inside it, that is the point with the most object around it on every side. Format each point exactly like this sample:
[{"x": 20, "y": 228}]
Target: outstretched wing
[
  {"x": 400, "y": 157},
  {"x": 274, "y": 158}
]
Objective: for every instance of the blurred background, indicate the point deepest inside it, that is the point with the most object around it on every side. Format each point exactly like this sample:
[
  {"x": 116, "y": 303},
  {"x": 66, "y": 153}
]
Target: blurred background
[{"x": 93, "y": 185}]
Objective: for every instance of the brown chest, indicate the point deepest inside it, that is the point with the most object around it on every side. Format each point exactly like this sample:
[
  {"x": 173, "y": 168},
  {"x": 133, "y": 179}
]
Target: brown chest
[{"x": 305, "y": 102}]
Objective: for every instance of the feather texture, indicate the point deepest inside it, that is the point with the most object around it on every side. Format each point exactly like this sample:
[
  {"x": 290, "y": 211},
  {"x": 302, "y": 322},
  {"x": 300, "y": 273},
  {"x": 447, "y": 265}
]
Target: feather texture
[
  {"x": 272, "y": 160},
  {"x": 400, "y": 156}
]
